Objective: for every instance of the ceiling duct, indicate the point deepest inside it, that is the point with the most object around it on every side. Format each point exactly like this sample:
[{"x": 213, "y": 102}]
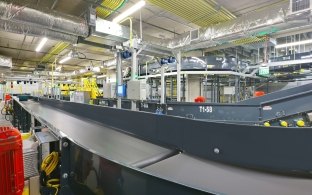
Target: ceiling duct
[
  {"x": 47, "y": 19},
  {"x": 110, "y": 31},
  {"x": 250, "y": 25},
  {"x": 108, "y": 34},
  {"x": 34, "y": 30}
]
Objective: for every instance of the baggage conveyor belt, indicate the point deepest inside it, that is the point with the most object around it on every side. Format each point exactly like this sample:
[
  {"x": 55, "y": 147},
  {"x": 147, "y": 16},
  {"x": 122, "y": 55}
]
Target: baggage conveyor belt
[
  {"x": 110, "y": 144},
  {"x": 162, "y": 162}
]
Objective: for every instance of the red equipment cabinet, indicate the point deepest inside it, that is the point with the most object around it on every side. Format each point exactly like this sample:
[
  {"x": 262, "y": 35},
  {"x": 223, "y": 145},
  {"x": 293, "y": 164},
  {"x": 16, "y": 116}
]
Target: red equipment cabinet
[
  {"x": 7, "y": 97},
  {"x": 11, "y": 162}
]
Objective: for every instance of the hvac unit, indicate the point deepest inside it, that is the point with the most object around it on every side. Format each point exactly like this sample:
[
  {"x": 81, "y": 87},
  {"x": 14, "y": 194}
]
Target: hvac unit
[
  {"x": 109, "y": 90},
  {"x": 136, "y": 90},
  {"x": 298, "y": 6}
]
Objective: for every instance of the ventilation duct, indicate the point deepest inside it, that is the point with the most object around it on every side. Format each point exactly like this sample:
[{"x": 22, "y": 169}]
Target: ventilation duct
[
  {"x": 34, "y": 30},
  {"x": 250, "y": 25},
  {"x": 45, "y": 18}
]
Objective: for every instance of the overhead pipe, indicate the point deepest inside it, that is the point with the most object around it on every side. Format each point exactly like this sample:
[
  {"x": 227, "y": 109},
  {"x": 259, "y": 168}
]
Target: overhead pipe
[
  {"x": 252, "y": 24},
  {"x": 240, "y": 27},
  {"x": 33, "y": 30},
  {"x": 47, "y": 19},
  {"x": 101, "y": 11}
]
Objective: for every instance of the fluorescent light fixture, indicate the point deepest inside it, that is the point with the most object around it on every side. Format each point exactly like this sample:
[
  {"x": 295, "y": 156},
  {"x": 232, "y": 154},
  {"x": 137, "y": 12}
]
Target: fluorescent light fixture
[
  {"x": 96, "y": 69},
  {"x": 101, "y": 76},
  {"x": 41, "y": 44},
  {"x": 65, "y": 59},
  {"x": 82, "y": 70},
  {"x": 129, "y": 11},
  {"x": 110, "y": 62},
  {"x": 293, "y": 44}
]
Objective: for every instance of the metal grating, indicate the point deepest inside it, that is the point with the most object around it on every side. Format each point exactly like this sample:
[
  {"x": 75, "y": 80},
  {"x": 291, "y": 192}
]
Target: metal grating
[
  {"x": 30, "y": 163},
  {"x": 201, "y": 12},
  {"x": 249, "y": 40}
]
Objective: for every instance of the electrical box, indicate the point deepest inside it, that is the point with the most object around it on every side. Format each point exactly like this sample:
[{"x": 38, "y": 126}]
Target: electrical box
[
  {"x": 80, "y": 97},
  {"x": 109, "y": 90},
  {"x": 136, "y": 90},
  {"x": 229, "y": 91}
]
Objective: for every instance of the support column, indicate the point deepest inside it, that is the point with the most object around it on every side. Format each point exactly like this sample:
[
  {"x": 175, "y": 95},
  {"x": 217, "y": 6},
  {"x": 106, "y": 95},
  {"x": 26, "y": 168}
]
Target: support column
[
  {"x": 134, "y": 65},
  {"x": 237, "y": 88},
  {"x": 119, "y": 77},
  {"x": 179, "y": 61},
  {"x": 163, "y": 85}
]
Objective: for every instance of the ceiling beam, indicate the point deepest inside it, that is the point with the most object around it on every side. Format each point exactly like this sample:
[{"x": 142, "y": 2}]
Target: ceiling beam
[{"x": 54, "y": 4}]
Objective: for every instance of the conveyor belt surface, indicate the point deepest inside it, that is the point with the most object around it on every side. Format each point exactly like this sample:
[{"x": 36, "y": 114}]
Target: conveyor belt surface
[
  {"x": 183, "y": 169},
  {"x": 106, "y": 142},
  {"x": 277, "y": 95},
  {"x": 223, "y": 179}
]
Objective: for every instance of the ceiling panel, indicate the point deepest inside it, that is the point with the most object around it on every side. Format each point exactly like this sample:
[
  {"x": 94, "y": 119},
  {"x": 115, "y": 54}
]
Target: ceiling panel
[{"x": 71, "y": 7}]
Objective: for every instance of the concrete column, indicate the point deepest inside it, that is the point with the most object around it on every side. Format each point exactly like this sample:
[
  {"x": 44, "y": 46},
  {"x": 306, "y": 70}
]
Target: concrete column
[
  {"x": 119, "y": 80},
  {"x": 134, "y": 67},
  {"x": 163, "y": 85},
  {"x": 179, "y": 61}
]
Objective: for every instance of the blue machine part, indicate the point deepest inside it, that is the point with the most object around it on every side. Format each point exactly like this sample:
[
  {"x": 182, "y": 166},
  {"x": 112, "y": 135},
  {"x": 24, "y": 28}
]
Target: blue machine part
[
  {"x": 163, "y": 61},
  {"x": 171, "y": 60},
  {"x": 126, "y": 54},
  {"x": 121, "y": 91}
]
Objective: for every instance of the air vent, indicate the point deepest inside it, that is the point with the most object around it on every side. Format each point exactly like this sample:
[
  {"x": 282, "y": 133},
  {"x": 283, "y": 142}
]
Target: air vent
[
  {"x": 297, "y": 6},
  {"x": 194, "y": 34},
  {"x": 40, "y": 67}
]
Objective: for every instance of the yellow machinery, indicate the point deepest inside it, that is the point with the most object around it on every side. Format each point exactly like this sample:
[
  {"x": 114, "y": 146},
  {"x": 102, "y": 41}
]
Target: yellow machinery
[
  {"x": 283, "y": 123},
  {"x": 267, "y": 124},
  {"x": 300, "y": 123},
  {"x": 90, "y": 85}
]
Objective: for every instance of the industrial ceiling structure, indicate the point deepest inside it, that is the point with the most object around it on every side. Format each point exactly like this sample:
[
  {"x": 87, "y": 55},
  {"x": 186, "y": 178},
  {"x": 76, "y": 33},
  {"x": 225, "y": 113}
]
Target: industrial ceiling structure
[{"x": 162, "y": 22}]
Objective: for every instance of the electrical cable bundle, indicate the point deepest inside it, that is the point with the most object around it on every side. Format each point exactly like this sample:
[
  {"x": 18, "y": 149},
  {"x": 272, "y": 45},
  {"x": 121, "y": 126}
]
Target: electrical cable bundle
[{"x": 47, "y": 167}]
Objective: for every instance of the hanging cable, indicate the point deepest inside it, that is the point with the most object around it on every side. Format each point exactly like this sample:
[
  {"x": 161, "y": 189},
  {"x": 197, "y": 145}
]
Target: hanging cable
[{"x": 48, "y": 165}]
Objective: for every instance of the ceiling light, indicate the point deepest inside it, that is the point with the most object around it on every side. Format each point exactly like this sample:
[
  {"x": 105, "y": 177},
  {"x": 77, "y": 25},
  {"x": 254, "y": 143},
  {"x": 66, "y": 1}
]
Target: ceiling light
[
  {"x": 65, "y": 59},
  {"x": 129, "y": 11},
  {"x": 293, "y": 44},
  {"x": 96, "y": 69},
  {"x": 41, "y": 44},
  {"x": 101, "y": 76}
]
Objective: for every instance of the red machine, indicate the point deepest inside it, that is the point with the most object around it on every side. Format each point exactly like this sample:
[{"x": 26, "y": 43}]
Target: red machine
[
  {"x": 200, "y": 99},
  {"x": 11, "y": 162},
  {"x": 259, "y": 93},
  {"x": 7, "y": 97}
]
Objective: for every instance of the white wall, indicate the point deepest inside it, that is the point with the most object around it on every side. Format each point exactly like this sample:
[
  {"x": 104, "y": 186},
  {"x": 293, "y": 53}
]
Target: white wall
[
  {"x": 111, "y": 76},
  {"x": 192, "y": 88},
  {"x": 21, "y": 87}
]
